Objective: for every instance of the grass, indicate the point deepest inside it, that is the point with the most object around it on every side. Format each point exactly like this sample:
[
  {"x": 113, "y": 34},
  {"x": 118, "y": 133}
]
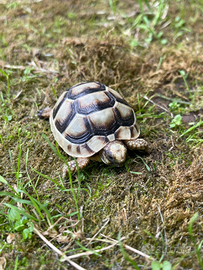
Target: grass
[
  {"x": 199, "y": 246},
  {"x": 150, "y": 52}
]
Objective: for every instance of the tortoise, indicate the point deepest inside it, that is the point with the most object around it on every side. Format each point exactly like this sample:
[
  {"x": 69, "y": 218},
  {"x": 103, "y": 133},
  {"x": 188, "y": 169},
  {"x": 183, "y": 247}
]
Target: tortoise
[{"x": 91, "y": 121}]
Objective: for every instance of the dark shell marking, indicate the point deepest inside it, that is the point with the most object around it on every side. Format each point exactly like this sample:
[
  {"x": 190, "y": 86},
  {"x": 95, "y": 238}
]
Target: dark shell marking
[{"x": 88, "y": 116}]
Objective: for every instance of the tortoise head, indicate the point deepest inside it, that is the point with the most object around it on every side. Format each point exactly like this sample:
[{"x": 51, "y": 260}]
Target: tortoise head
[{"x": 114, "y": 153}]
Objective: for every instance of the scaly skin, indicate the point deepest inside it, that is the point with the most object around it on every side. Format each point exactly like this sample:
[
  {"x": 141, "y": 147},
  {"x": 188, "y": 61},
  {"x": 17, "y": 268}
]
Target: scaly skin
[
  {"x": 138, "y": 144},
  {"x": 82, "y": 163}
]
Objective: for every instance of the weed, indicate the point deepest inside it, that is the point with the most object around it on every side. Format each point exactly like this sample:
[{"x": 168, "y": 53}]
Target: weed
[
  {"x": 179, "y": 28},
  {"x": 174, "y": 105},
  {"x": 135, "y": 172},
  {"x": 8, "y": 90},
  {"x": 20, "y": 223},
  {"x": 184, "y": 76},
  {"x": 149, "y": 26},
  {"x": 12, "y": 5},
  {"x": 165, "y": 265},
  {"x": 147, "y": 167},
  {"x": 200, "y": 123},
  {"x": 112, "y": 4},
  {"x": 177, "y": 121},
  {"x": 20, "y": 214},
  {"x": 16, "y": 169},
  {"x": 5, "y": 109},
  {"x": 16, "y": 263},
  {"x": 141, "y": 5},
  {"x": 27, "y": 75}
]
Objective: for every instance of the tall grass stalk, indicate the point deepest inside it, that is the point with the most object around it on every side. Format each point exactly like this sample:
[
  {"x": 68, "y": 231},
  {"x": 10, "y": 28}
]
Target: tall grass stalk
[{"x": 57, "y": 152}]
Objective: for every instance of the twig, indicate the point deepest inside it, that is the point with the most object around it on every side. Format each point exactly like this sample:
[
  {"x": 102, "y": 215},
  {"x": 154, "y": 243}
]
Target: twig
[
  {"x": 172, "y": 144},
  {"x": 165, "y": 237},
  {"x": 36, "y": 68},
  {"x": 172, "y": 99},
  {"x": 98, "y": 231},
  {"x": 113, "y": 243},
  {"x": 130, "y": 248},
  {"x": 69, "y": 220},
  {"x": 145, "y": 97},
  {"x": 91, "y": 252},
  {"x": 64, "y": 257}
]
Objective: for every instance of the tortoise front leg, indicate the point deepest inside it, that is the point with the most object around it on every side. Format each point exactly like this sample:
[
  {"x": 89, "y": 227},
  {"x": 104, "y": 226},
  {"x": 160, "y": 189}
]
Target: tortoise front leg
[
  {"x": 138, "y": 144},
  {"x": 82, "y": 163}
]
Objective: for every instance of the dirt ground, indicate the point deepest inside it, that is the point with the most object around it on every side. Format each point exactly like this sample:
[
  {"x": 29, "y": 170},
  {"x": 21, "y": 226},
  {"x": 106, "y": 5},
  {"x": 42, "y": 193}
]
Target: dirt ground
[{"x": 155, "y": 202}]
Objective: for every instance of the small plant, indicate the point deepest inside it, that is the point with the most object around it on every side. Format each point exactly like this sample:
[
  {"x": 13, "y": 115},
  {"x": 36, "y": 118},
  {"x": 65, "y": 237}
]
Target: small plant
[
  {"x": 165, "y": 265},
  {"x": 184, "y": 76},
  {"x": 179, "y": 28},
  {"x": 27, "y": 75},
  {"x": 195, "y": 133},
  {"x": 75, "y": 192},
  {"x": 5, "y": 111},
  {"x": 177, "y": 121},
  {"x": 147, "y": 167},
  {"x": 16, "y": 168},
  {"x": 20, "y": 216},
  {"x": 141, "y": 5},
  {"x": 20, "y": 223},
  {"x": 179, "y": 23},
  {"x": 174, "y": 105}
]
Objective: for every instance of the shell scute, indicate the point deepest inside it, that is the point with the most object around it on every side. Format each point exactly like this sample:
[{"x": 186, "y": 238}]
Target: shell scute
[
  {"x": 103, "y": 122},
  {"x": 135, "y": 131},
  {"x": 93, "y": 102},
  {"x": 78, "y": 131},
  {"x": 58, "y": 104},
  {"x": 118, "y": 97},
  {"x": 82, "y": 89},
  {"x": 64, "y": 115},
  {"x": 125, "y": 114}
]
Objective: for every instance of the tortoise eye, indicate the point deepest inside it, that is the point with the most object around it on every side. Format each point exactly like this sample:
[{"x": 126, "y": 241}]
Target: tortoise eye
[{"x": 110, "y": 158}]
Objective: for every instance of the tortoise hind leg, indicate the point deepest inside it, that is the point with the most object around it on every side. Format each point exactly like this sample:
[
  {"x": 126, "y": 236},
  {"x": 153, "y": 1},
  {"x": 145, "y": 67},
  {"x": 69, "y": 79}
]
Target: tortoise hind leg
[
  {"x": 138, "y": 144},
  {"x": 45, "y": 113},
  {"x": 82, "y": 163}
]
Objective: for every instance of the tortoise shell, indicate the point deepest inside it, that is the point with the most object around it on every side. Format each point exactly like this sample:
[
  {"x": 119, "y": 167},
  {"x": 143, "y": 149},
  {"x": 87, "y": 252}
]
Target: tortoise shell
[{"x": 90, "y": 115}]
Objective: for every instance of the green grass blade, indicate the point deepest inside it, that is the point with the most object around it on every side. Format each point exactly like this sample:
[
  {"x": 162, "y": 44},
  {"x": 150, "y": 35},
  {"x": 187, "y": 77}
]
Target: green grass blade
[
  {"x": 49, "y": 178},
  {"x": 125, "y": 255},
  {"x": 21, "y": 211},
  {"x": 191, "y": 128},
  {"x": 147, "y": 167}
]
